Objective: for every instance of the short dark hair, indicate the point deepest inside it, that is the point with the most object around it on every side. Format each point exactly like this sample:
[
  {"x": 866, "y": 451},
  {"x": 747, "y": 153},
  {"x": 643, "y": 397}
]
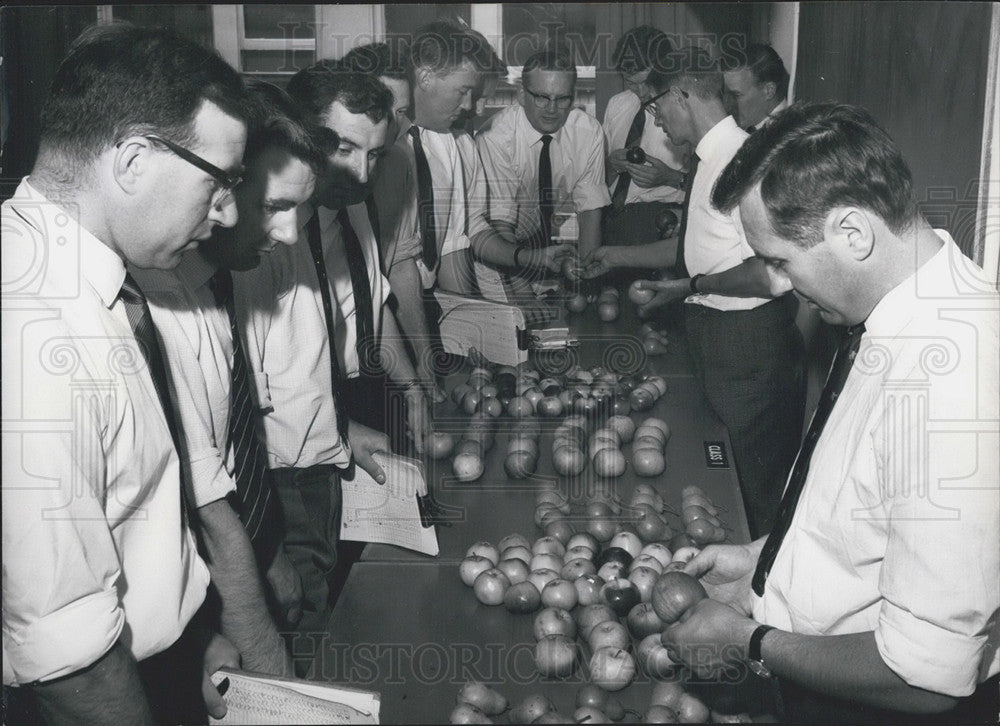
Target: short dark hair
[
  {"x": 691, "y": 69},
  {"x": 816, "y": 156},
  {"x": 549, "y": 60},
  {"x": 120, "y": 79},
  {"x": 317, "y": 87},
  {"x": 766, "y": 66},
  {"x": 380, "y": 60},
  {"x": 280, "y": 123},
  {"x": 444, "y": 45},
  {"x": 639, "y": 49}
]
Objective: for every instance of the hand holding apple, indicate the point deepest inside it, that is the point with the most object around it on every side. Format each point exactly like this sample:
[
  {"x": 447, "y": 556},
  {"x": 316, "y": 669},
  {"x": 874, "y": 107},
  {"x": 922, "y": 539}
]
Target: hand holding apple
[
  {"x": 725, "y": 572},
  {"x": 711, "y": 636}
]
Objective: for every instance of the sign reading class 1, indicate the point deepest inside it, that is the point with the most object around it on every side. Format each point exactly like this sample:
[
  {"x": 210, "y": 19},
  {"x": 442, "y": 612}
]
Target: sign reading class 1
[{"x": 715, "y": 455}]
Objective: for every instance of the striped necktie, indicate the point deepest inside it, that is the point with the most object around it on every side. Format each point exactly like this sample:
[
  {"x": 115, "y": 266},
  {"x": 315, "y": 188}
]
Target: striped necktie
[
  {"x": 257, "y": 506},
  {"x": 847, "y": 351}
]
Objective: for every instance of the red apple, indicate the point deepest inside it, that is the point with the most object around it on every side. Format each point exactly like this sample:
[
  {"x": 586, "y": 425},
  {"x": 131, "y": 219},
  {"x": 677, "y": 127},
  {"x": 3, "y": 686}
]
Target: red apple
[
  {"x": 546, "y": 562},
  {"x": 559, "y": 593},
  {"x": 621, "y": 595},
  {"x": 541, "y": 578},
  {"x": 578, "y": 552},
  {"x": 555, "y": 656},
  {"x": 522, "y": 597},
  {"x": 561, "y": 529},
  {"x": 467, "y": 713},
  {"x": 645, "y": 559},
  {"x": 577, "y": 568},
  {"x": 674, "y": 593},
  {"x": 484, "y": 549},
  {"x": 643, "y": 621},
  {"x": 515, "y": 569},
  {"x": 644, "y": 579},
  {"x": 660, "y": 551},
  {"x": 548, "y": 546},
  {"x": 690, "y": 709},
  {"x": 471, "y": 567},
  {"x": 628, "y": 541},
  {"x": 588, "y": 589},
  {"x": 612, "y": 668},
  {"x": 592, "y": 615},
  {"x": 611, "y": 571},
  {"x": 554, "y": 621},
  {"x": 584, "y": 539},
  {"x": 517, "y": 552},
  {"x": 610, "y": 633},
  {"x": 491, "y": 586}
]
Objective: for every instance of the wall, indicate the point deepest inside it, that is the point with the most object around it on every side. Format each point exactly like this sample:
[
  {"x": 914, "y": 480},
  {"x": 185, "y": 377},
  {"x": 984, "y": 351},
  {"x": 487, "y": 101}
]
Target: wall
[{"x": 920, "y": 68}]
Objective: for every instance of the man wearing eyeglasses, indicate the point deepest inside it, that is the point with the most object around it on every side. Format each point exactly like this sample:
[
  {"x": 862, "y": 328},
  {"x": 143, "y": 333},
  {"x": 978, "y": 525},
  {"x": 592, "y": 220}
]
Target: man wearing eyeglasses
[
  {"x": 543, "y": 158},
  {"x": 640, "y": 191},
  {"x": 141, "y": 139},
  {"x": 740, "y": 328}
]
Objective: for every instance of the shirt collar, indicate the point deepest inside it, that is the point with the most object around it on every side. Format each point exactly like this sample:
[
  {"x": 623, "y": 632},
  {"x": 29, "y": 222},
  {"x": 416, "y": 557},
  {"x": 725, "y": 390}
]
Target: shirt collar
[
  {"x": 529, "y": 132},
  {"x": 195, "y": 268},
  {"x": 901, "y": 304},
  {"x": 327, "y": 217},
  {"x": 101, "y": 267},
  {"x": 716, "y": 136}
]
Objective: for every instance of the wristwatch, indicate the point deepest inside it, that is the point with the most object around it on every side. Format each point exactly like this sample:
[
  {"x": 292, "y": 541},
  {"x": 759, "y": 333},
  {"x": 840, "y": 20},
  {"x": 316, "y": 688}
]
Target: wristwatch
[
  {"x": 753, "y": 651},
  {"x": 694, "y": 284}
]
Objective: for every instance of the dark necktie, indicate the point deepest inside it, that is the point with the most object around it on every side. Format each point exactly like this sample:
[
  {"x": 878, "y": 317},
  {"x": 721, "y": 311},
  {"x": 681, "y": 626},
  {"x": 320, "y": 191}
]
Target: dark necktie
[
  {"x": 425, "y": 201},
  {"x": 625, "y": 179},
  {"x": 253, "y": 488},
  {"x": 336, "y": 377},
  {"x": 364, "y": 314},
  {"x": 546, "y": 195},
  {"x": 842, "y": 363},
  {"x": 680, "y": 266},
  {"x": 141, "y": 322}
]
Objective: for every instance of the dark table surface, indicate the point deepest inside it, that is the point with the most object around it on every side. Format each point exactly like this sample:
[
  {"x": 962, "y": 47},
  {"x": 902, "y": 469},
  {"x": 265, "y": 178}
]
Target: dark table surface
[{"x": 406, "y": 626}]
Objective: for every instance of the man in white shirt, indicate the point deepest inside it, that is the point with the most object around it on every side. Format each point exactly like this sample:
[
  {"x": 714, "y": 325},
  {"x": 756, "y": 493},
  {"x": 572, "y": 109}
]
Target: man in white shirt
[
  {"x": 141, "y": 141},
  {"x": 640, "y": 192},
  {"x": 224, "y": 464},
  {"x": 881, "y": 580},
  {"x": 757, "y": 87},
  {"x": 740, "y": 330},
  {"x": 544, "y": 160},
  {"x": 388, "y": 63},
  {"x": 423, "y": 187}
]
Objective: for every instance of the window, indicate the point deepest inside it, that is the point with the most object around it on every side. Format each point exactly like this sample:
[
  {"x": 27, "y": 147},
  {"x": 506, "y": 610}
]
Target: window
[{"x": 271, "y": 42}]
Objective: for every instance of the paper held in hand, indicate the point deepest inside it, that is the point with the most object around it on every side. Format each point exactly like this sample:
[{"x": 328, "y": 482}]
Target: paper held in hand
[
  {"x": 489, "y": 327},
  {"x": 387, "y": 513},
  {"x": 256, "y": 698}
]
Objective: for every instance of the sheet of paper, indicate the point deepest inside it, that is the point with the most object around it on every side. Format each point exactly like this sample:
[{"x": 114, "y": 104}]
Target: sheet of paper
[
  {"x": 387, "y": 513},
  {"x": 490, "y": 283},
  {"x": 255, "y": 698},
  {"x": 489, "y": 327}
]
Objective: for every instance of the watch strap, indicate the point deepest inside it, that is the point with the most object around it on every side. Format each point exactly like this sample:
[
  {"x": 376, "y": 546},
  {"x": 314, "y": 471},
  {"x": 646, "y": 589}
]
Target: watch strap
[
  {"x": 753, "y": 649},
  {"x": 694, "y": 284}
]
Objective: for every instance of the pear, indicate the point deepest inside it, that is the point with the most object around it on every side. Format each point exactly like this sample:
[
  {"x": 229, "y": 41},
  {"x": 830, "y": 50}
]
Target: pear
[
  {"x": 483, "y": 697},
  {"x": 531, "y": 708},
  {"x": 465, "y": 713}
]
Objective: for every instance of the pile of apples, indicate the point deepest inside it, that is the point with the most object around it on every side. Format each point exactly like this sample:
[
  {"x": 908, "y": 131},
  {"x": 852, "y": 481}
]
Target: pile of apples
[
  {"x": 645, "y": 395},
  {"x": 479, "y": 438},
  {"x": 607, "y": 305},
  {"x": 654, "y": 342},
  {"x": 670, "y": 703},
  {"x": 699, "y": 516},
  {"x": 649, "y": 447}
]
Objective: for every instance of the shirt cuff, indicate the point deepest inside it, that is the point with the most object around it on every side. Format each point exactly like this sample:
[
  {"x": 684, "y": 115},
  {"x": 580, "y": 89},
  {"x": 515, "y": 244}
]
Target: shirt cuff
[
  {"x": 455, "y": 243},
  {"x": 63, "y": 642},
  {"x": 926, "y": 655},
  {"x": 503, "y": 213},
  {"x": 586, "y": 198},
  {"x": 210, "y": 480}
]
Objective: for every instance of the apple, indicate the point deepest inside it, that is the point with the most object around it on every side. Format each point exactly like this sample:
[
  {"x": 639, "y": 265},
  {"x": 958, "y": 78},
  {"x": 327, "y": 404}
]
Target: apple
[
  {"x": 595, "y": 509},
  {"x": 690, "y": 709},
  {"x": 628, "y": 541},
  {"x": 553, "y": 497},
  {"x": 522, "y": 597},
  {"x": 685, "y": 554},
  {"x": 660, "y": 714},
  {"x": 520, "y": 407},
  {"x": 559, "y": 593},
  {"x": 491, "y": 406},
  {"x": 592, "y": 615},
  {"x": 441, "y": 445},
  {"x": 467, "y": 467},
  {"x": 650, "y": 526},
  {"x": 514, "y": 539},
  {"x": 552, "y": 514},
  {"x": 641, "y": 399},
  {"x": 550, "y": 407},
  {"x": 611, "y": 570},
  {"x": 471, "y": 567},
  {"x": 491, "y": 586},
  {"x": 577, "y": 568},
  {"x": 533, "y": 396},
  {"x": 614, "y": 554},
  {"x": 458, "y": 393},
  {"x": 548, "y": 546},
  {"x": 602, "y": 528},
  {"x": 561, "y": 529},
  {"x": 576, "y": 304},
  {"x": 610, "y": 633},
  {"x": 648, "y": 431},
  {"x": 531, "y": 708},
  {"x": 541, "y": 578},
  {"x": 469, "y": 447},
  {"x": 484, "y": 549},
  {"x": 648, "y": 462},
  {"x": 578, "y": 552},
  {"x": 591, "y": 696},
  {"x": 702, "y": 532},
  {"x": 640, "y": 295},
  {"x": 621, "y": 595},
  {"x": 542, "y": 509},
  {"x": 470, "y": 401},
  {"x": 467, "y": 713},
  {"x": 608, "y": 312},
  {"x": 673, "y": 594},
  {"x": 647, "y": 560},
  {"x": 623, "y": 426},
  {"x": 588, "y": 589},
  {"x": 583, "y": 539},
  {"x": 679, "y": 541},
  {"x": 555, "y": 656},
  {"x": 517, "y": 552},
  {"x": 588, "y": 714},
  {"x": 609, "y": 463},
  {"x": 515, "y": 569},
  {"x": 568, "y": 460},
  {"x": 546, "y": 562},
  {"x": 692, "y": 512},
  {"x": 487, "y": 700},
  {"x": 643, "y": 621},
  {"x": 660, "y": 551},
  {"x": 612, "y": 668},
  {"x": 654, "y": 659},
  {"x": 667, "y": 693},
  {"x": 644, "y": 579},
  {"x": 554, "y": 621},
  {"x": 519, "y": 464}
]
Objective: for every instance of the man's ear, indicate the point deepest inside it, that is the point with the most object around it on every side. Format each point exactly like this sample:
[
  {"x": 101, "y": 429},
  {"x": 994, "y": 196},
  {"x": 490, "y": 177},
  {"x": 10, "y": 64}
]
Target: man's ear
[
  {"x": 423, "y": 77},
  {"x": 770, "y": 90},
  {"x": 131, "y": 160},
  {"x": 850, "y": 232}
]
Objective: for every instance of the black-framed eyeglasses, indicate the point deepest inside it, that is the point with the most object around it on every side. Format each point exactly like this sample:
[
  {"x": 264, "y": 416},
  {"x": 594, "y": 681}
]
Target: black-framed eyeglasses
[
  {"x": 542, "y": 101},
  {"x": 226, "y": 181},
  {"x": 649, "y": 104}
]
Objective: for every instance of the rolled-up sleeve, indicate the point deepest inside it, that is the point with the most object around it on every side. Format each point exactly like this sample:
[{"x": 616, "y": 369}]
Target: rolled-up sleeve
[
  {"x": 941, "y": 573},
  {"x": 591, "y": 190},
  {"x": 395, "y": 196},
  {"x": 61, "y": 609},
  {"x": 496, "y": 152}
]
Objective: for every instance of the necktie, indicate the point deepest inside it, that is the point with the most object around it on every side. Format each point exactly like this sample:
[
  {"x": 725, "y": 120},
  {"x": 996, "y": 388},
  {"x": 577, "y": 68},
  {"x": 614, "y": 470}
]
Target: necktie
[
  {"x": 364, "y": 314},
  {"x": 625, "y": 179},
  {"x": 751, "y": 129},
  {"x": 336, "y": 378},
  {"x": 425, "y": 201},
  {"x": 680, "y": 266},
  {"x": 141, "y": 322},
  {"x": 253, "y": 489},
  {"x": 842, "y": 363},
  {"x": 546, "y": 195}
]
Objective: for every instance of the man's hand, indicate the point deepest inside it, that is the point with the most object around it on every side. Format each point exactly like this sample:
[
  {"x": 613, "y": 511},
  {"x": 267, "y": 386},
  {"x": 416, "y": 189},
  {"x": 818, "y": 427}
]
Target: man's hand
[
  {"x": 726, "y": 571},
  {"x": 286, "y": 586},
  {"x": 654, "y": 173},
  {"x": 602, "y": 261},
  {"x": 418, "y": 415},
  {"x": 219, "y": 653},
  {"x": 709, "y": 637},
  {"x": 364, "y": 443},
  {"x": 551, "y": 257},
  {"x": 666, "y": 292},
  {"x": 616, "y": 161},
  {"x": 427, "y": 378}
]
